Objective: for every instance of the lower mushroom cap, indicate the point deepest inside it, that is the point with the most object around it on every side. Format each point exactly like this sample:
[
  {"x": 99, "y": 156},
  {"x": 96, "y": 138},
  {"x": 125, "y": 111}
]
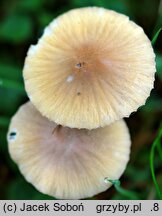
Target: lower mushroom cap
[{"x": 63, "y": 162}]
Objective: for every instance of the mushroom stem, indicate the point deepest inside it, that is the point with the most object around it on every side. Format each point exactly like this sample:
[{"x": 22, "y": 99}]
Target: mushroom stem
[{"x": 57, "y": 129}]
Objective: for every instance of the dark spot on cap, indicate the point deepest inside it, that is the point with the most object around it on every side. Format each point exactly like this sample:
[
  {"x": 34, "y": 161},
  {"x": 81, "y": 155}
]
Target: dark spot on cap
[
  {"x": 12, "y": 135},
  {"x": 78, "y": 93},
  {"x": 80, "y": 64}
]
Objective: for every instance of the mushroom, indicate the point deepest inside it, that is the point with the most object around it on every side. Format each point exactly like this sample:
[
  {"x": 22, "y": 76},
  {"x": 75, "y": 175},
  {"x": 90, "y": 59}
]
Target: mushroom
[
  {"x": 91, "y": 67},
  {"x": 64, "y": 162}
]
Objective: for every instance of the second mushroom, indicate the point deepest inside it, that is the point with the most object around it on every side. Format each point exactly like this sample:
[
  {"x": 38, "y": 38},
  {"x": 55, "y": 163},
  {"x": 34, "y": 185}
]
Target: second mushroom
[{"x": 63, "y": 162}]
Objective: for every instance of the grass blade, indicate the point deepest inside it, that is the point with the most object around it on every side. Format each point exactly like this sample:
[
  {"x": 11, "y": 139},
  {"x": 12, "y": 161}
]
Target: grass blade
[
  {"x": 4, "y": 121},
  {"x": 12, "y": 84},
  {"x": 156, "y": 37},
  {"x": 155, "y": 145},
  {"x": 159, "y": 150}
]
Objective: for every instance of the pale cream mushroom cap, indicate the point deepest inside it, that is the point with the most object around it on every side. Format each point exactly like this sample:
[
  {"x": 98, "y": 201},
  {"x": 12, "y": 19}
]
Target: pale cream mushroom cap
[
  {"x": 92, "y": 66},
  {"x": 63, "y": 162}
]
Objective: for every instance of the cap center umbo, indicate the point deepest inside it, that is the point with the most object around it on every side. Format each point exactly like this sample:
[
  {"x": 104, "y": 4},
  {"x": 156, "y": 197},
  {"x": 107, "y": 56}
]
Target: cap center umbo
[{"x": 85, "y": 57}]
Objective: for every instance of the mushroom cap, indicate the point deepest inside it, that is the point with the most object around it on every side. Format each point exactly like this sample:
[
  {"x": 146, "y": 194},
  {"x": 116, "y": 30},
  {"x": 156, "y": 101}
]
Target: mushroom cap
[
  {"x": 63, "y": 162},
  {"x": 92, "y": 66}
]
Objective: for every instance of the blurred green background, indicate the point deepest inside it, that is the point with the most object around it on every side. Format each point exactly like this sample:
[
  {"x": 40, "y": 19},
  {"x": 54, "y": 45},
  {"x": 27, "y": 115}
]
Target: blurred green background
[{"x": 21, "y": 24}]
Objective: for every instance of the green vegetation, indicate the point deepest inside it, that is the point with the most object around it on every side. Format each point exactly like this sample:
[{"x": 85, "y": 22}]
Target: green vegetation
[
  {"x": 21, "y": 24},
  {"x": 125, "y": 193},
  {"x": 156, "y": 146}
]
